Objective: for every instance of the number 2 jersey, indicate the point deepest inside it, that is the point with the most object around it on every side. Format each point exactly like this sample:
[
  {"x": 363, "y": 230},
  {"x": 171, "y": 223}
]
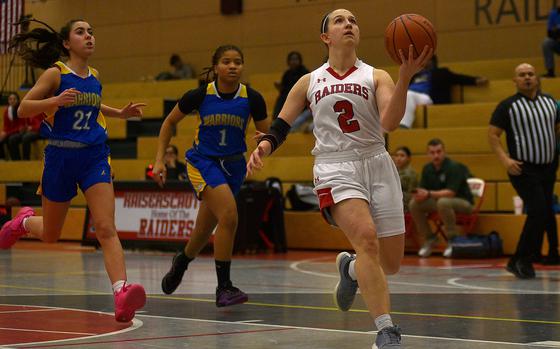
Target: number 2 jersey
[
  {"x": 80, "y": 121},
  {"x": 345, "y": 114},
  {"x": 223, "y": 118}
]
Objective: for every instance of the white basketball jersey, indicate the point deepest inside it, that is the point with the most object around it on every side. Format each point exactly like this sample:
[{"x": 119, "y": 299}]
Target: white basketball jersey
[{"x": 344, "y": 108}]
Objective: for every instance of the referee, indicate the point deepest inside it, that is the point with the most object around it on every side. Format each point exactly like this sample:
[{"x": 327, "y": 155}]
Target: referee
[{"x": 530, "y": 120}]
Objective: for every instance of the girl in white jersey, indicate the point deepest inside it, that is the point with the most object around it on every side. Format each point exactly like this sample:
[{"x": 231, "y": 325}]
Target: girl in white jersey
[{"x": 356, "y": 181}]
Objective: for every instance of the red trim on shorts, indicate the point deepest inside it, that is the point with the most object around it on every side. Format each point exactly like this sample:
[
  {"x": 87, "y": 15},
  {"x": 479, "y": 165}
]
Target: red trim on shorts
[
  {"x": 326, "y": 201},
  {"x": 325, "y": 198},
  {"x": 341, "y": 77}
]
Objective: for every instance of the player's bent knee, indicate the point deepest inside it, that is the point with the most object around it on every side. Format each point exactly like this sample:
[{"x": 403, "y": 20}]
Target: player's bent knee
[
  {"x": 105, "y": 230},
  {"x": 367, "y": 242}
]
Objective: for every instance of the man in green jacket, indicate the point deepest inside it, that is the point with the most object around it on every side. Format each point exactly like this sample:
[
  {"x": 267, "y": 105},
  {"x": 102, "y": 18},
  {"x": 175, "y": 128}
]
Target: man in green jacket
[{"x": 443, "y": 188}]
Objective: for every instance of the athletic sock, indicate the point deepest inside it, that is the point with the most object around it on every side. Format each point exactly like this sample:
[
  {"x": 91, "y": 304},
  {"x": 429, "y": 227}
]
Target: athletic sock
[
  {"x": 117, "y": 286},
  {"x": 222, "y": 271},
  {"x": 182, "y": 260},
  {"x": 383, "y": 321},
  {"x": 352, "y": 270}
]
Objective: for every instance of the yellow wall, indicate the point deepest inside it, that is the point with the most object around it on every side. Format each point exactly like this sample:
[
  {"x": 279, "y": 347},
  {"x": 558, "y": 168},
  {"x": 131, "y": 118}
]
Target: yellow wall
[{"x": 136, "y": 38}]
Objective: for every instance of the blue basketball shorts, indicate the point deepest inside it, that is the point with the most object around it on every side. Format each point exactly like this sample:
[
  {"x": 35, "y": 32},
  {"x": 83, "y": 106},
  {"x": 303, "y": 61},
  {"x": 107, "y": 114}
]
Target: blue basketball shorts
[
  {"x": 67, "y": 168},
  {"x": 203, "y": 171}
]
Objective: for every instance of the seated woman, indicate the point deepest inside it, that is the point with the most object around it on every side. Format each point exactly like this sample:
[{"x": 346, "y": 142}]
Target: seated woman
[
  {"x": 28, "y": 134},
  {"x": 409, "y": 178},
  {"x": 12, "y": 124}
]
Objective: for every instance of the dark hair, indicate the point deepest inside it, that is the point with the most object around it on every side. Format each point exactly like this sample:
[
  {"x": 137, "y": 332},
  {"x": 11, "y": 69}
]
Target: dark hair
[
  {"x": 216, "y": 58},
  {"x": 294, "y": 53},
  {"x": 15, "y": 94},
  {"x": 42, "y": 47},
  {"x": 405, "y": 150},
  {"x": 174, "y": 59},
  {"x": 435, "y": 142},
  {"x": 174, "y": 147}
]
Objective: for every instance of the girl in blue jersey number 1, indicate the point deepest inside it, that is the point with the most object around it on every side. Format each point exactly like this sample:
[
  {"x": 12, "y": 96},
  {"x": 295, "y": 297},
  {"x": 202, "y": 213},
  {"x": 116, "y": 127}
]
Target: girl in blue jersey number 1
[
  {"x": 69, "y": 94},
  {"x": 215, "y": 164}
]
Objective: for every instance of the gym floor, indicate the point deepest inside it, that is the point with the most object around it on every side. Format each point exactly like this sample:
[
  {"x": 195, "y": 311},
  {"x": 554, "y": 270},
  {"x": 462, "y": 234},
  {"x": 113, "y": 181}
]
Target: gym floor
[{"x": 59, "y": 296}]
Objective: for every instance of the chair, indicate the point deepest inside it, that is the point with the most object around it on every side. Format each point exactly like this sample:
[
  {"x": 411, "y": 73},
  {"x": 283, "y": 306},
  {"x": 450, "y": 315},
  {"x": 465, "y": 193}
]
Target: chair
[{"x": 465, "y": 220}]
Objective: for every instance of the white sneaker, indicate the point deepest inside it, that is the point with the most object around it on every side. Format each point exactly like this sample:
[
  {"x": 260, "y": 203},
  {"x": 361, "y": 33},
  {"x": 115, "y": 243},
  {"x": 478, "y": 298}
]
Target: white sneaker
[
  {"x": 426, "y": 249},
  {"x": 448, "y": 251}
]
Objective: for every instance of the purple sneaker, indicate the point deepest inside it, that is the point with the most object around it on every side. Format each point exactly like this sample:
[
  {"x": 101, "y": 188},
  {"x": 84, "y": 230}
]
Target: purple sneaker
[
  {"x": 230, "y": 295},
  {"x": 12, "y": 230}
]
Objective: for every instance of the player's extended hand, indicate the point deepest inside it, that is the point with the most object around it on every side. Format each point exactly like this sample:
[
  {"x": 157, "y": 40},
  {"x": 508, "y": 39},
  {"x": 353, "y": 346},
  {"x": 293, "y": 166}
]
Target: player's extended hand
[
  {"x": 256, "y": 159},
  {"x": 67, "y": 96},
  {"x": 411, "y": 66},
  {"x": 132, "y": 110},
  {"x": 160, "y": 173}
]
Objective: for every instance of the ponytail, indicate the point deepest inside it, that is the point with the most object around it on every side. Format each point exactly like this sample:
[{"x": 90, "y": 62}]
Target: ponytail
[{"x": 42, "y": 47}]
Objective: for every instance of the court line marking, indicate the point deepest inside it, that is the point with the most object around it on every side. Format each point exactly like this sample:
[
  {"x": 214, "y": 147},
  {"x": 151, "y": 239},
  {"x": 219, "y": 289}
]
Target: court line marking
[
  {"x": 295, "y": 266},
  {"x": 455, "y": 282},
  {"x": 136, "y": 323},
  {"x": 335, "y": 330},
  {"x": 79, "y": 292},
  {"x": 547, "y": 344},
  {"x": 44, "y": 331},
  {"x": 311, "y": 307},
  {"x": 25, "y": 311},
  {"x": 131, "y": 340}
]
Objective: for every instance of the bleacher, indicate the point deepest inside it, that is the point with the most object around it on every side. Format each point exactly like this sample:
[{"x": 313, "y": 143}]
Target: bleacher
[{"x": 462, "y": 127}]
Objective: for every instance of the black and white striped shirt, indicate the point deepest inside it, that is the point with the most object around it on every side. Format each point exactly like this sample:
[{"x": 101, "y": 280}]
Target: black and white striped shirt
[{"x": 530, "y": 127}]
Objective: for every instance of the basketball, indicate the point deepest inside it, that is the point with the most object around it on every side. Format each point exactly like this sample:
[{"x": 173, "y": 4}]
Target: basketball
[{"x": 409, "y": 29}]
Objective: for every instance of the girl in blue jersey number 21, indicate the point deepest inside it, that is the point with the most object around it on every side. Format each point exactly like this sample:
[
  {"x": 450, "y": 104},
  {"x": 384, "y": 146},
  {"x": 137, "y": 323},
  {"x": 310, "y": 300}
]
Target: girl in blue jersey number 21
[
  {"x": 69, "y": 93},
  {"x": 215, "y": 164}
]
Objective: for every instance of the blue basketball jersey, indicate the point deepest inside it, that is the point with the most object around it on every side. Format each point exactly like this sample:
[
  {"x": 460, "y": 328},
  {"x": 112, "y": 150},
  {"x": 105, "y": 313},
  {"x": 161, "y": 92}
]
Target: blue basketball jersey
[
  {"x": 223, "y": 122},
  {"x": 82, "y": 120}
]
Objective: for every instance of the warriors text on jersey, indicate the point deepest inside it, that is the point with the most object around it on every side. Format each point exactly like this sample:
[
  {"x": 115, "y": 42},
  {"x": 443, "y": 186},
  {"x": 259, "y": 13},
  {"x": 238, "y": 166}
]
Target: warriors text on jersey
[
  {"x": 80, "y": 121},
  {"x": 344, "y": 108},
  {"x": 223, "y": 118}
]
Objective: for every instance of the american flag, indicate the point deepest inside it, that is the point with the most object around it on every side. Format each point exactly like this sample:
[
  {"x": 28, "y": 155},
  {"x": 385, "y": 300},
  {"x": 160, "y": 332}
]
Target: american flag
[{"x": 10, "y": 13}]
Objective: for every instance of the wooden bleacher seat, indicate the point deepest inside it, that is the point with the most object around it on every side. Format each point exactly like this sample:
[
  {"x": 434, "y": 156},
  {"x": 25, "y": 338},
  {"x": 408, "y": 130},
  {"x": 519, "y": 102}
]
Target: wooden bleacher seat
[
  {"x": 31, "y": 171},
  {"x": 459, "y": 115},
  {"x": 496, "y": 69},
  {"x": 497, "y": 90},
  {"x": 2, "y": 193},
  {"x": 116, "y": 128},
  {"x": 265, "y": 82},
  {"x": 153, "y": 110},
  {"x": 144, "y": 90},
  {"x": 467, "y": 140},
  {"x": 298, "y": 144},
  {"x": 308, "y": 230}
]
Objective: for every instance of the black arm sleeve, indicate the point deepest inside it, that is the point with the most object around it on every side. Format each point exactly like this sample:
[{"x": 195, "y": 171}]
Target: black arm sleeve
[
  {"x": 277, "y": 133},
  {"x": 500, "y": 116},
  {"x": 257, "y": 105},
  {"x": 192, "y": 100}
]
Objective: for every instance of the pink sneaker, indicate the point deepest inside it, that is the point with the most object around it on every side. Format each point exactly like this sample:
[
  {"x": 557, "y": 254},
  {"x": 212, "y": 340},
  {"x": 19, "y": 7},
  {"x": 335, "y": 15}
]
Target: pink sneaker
[
  {"x": 129, "y": 299},
  {"x": 12, "y": 230}
]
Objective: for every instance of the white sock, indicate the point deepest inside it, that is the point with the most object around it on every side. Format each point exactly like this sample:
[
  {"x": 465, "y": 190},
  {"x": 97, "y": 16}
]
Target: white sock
[
  {"x": 383, "y": 321},
  {"x": 25, "y": 224},
  {"x": 118, "y": 285},
  {"x": 352, "y": 270}
]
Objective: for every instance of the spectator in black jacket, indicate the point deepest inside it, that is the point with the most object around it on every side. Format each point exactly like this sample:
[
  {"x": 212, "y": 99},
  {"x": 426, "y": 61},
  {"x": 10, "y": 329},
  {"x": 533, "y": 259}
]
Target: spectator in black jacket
[{"x": 433, "y": 86}]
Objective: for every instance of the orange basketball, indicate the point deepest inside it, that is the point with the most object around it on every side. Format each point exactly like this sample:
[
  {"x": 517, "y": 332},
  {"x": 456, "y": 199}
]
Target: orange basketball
[{"x": 409, "y": 29}]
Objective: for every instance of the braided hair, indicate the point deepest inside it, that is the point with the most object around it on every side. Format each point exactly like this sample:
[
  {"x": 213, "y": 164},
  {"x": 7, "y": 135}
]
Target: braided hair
[
  {"x": 208, "y": 73},
  {"x": 42, "y": 47}
]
